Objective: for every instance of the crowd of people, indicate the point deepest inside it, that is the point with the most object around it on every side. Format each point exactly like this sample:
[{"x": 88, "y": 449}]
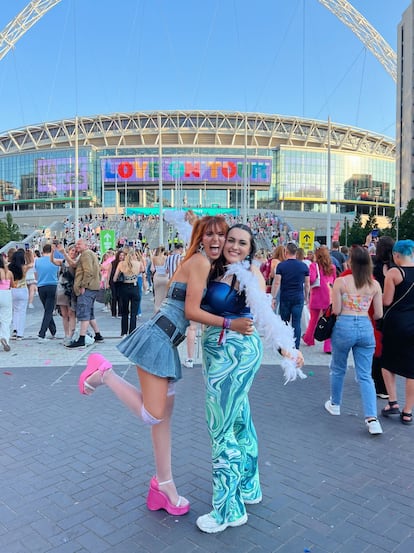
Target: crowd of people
[{"x": 223, "y": 281}]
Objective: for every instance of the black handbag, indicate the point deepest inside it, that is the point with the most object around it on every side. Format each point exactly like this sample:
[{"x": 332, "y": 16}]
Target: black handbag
[{"x": 325, "y": 325}]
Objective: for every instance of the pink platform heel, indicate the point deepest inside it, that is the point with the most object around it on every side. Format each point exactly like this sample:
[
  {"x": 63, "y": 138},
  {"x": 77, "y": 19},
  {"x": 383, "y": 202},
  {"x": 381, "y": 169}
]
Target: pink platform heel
[
  {"x": 96, "y": 362},
  {"x": 157, "y": 499}
]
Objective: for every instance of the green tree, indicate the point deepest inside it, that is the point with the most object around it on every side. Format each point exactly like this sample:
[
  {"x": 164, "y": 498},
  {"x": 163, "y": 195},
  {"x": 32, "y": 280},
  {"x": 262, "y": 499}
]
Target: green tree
[
  {"x": 9, "y": 230},
  {"x": 4, "y": 234},
  {"x": 13, "y": 228},
  {"x": 406, "y": 223},
  {"x": 356, "y": 233}
]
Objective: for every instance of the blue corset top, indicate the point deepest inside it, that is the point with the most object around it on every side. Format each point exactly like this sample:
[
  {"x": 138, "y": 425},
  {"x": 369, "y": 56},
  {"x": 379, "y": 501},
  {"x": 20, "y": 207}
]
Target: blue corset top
[{"x": 221, "y": 299}]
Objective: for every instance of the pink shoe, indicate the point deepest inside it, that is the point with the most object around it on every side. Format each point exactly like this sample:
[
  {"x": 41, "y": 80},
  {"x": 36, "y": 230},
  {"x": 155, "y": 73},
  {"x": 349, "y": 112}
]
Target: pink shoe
[
  {"x": 96, "y": 362},
  {"x": 157, "y": 499}
]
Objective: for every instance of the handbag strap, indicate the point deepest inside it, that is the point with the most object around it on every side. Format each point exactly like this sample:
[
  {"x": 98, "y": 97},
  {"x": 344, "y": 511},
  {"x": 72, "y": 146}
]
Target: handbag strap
[{"x": 398, "y": 301}]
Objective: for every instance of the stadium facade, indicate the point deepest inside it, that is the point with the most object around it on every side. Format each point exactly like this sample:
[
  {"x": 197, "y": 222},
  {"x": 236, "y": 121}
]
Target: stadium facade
[{"x": 197, "y": 159}]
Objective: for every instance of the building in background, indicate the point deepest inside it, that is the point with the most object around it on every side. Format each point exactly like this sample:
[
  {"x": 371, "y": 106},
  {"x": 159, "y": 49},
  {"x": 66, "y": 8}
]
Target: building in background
[
  {"x": 200, "y": 159},
  {"x": 405, "y": 111}
]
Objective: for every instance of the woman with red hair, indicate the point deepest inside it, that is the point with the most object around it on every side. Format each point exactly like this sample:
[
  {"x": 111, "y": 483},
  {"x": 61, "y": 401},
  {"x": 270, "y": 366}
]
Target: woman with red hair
[
  {"x": 322, "y": 274},
  {"x": 153, "y": 349}
]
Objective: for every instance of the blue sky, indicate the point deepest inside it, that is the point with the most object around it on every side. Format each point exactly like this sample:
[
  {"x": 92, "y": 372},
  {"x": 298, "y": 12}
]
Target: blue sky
[{"x": 288, "y": 57}]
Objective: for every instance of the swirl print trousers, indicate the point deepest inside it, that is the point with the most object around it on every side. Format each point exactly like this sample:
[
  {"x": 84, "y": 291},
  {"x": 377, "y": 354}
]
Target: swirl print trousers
[{"x": 229, "y": 370}]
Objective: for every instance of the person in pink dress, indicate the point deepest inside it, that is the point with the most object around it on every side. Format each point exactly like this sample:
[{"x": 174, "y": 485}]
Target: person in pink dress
[{"x": 322, "y": 270}]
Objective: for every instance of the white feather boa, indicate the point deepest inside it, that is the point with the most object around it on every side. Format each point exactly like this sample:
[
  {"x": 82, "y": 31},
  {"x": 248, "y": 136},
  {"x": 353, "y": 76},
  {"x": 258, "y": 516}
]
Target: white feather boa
[
  {"x": 177, "y": 219},
  {"x": 275, "y": 333}
]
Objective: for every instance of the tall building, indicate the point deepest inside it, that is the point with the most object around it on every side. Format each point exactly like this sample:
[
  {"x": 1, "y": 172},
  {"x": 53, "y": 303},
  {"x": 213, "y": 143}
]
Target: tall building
[{"x": 404, "y": 186}]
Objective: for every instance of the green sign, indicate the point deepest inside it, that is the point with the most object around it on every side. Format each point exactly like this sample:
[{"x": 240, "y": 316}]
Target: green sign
[{"x": 107, "y": 238}]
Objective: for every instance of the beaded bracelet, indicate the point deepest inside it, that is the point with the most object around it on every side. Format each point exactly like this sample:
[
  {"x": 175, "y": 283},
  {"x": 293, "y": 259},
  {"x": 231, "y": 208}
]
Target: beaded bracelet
[{"x": 226, "y": 323}]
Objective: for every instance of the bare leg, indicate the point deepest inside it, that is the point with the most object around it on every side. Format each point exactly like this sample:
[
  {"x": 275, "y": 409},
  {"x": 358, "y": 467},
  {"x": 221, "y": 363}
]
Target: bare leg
[
  {"x": 127, "y": 393},
  {"x": 409, "y": 395},
  {"x": 65, "y": 319},
  {"x": 390, "y": 384},
  {"x": 191, "y": 335},
  {"x": 72, "y": 321},
  {"x": 161, "y": 443},
  {"x": 389, "y": 379},
  {"x": 94, "y": 325}
]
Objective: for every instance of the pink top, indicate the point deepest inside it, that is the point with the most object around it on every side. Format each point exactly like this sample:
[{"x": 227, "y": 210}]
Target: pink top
[
  {"x": 319, "y": 296},
  {"x": 5, "y": 284}
]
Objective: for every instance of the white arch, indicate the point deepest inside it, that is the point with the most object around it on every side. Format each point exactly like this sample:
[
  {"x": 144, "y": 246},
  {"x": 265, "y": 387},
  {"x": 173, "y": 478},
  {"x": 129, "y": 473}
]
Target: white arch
[
  {"x": 366, "y": 33},
  {"x": 342, "y": 9},
  {"x": 22, "y": 23}
]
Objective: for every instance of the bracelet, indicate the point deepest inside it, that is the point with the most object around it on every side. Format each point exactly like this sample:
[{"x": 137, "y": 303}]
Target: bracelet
[{"x": 226, "y": 323}]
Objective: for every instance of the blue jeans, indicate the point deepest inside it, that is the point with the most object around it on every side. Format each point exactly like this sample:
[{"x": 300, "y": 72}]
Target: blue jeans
[
  {"x": 292, "y": 309},
  {"x": 356, "y": 333}
]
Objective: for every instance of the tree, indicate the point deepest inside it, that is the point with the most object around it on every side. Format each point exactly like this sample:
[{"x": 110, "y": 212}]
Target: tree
[
  {"x": 356, "y": 233},
  {"x": 406, "y": 223},
  {"x": 4, "y": 234},
  {"x": 9, "y": 230}
]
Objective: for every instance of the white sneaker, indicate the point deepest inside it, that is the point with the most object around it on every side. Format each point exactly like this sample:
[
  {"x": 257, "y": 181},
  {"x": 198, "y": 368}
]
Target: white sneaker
[
  {"x": 374, "y": 426},
  {"x": 208, "y": 524},
  {"x": 41, "y": 340},
  {"x": 189, "y": 363},
  {"x": 66, "y": 340},
  {"x": 331, "y": 408},
  {"x": 30, "y": 306}
]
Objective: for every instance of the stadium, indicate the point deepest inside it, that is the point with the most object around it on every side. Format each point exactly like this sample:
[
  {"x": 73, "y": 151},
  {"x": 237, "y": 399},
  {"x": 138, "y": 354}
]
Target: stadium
[{"x": 129, "y": 163}]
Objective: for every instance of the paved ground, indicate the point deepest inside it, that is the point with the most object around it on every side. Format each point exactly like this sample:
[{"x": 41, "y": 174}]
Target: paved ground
[{"x": 74, "y": 470}]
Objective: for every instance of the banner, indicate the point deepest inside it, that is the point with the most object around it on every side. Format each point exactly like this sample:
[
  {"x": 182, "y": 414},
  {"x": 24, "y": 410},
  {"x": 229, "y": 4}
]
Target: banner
[{"x": 203, "y": 170}]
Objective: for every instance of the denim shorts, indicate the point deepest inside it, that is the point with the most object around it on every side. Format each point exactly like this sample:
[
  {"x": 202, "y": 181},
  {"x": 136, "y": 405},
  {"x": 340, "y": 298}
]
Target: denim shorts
[{"x": 84, "y": 305}]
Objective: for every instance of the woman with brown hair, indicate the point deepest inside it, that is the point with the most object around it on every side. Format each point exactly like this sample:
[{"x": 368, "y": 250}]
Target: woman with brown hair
[
  {"x": 114, "y": 286},
  {"x": 352, "y": 296},
  {"x": 322, "y": 274},
  {"x": 278, "y": 255},
  {"x": 153, "y": 349}
]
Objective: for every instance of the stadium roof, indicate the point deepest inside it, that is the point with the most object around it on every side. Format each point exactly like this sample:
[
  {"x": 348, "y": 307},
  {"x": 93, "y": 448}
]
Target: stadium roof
[{"x": 197, "y": 129}]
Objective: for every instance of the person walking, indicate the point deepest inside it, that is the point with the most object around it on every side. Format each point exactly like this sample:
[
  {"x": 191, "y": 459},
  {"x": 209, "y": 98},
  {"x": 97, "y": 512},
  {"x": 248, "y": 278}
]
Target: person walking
[
  {"x": 398, "y": 330},
  {"x": 292, "y": 278},
  {"x": 20, "y": 294},
  {"x": 6, "y": 310},
  {"x": 352, "y": 296},
  {"x": 153, "y": 348},
  {"x": 86, "y": 286},
  {"x": 322, "y": 275},
  {"x": 47, "y": 279}
]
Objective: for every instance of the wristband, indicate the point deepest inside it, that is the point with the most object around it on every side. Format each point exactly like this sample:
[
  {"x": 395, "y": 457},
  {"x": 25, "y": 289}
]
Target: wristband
[{"x": 226, "y": 326}]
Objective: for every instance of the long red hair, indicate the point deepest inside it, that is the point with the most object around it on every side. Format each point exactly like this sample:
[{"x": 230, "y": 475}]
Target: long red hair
[{"x": 200, "y": 227}]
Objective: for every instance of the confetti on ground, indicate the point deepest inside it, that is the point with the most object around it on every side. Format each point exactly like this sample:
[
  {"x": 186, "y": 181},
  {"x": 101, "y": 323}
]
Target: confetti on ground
[{"x": 8, "y": 373}]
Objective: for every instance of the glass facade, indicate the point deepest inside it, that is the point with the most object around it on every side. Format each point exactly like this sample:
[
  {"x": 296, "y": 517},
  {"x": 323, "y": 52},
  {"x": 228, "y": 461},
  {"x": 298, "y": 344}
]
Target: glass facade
[
  {"x": 355, "y": 179},
  {"x": 296, "y": 179}
]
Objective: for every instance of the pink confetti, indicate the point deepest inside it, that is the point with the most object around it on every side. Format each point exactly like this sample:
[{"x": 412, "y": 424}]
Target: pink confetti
[{"x": 47, "y": 362}]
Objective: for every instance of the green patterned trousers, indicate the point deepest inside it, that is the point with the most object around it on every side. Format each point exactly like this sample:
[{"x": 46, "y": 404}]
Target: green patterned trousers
[{"x": 229, "y": 370}]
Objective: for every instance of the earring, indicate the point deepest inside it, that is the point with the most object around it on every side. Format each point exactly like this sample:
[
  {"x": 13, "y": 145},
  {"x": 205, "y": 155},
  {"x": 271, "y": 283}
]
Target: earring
[{"x": 201, "y": 248}]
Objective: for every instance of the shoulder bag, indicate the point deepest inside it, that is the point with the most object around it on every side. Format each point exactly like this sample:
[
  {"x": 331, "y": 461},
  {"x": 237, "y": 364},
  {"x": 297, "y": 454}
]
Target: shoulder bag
[
  {"x": 317, "y": 281},
  {"x": 325, "y": 325}
]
